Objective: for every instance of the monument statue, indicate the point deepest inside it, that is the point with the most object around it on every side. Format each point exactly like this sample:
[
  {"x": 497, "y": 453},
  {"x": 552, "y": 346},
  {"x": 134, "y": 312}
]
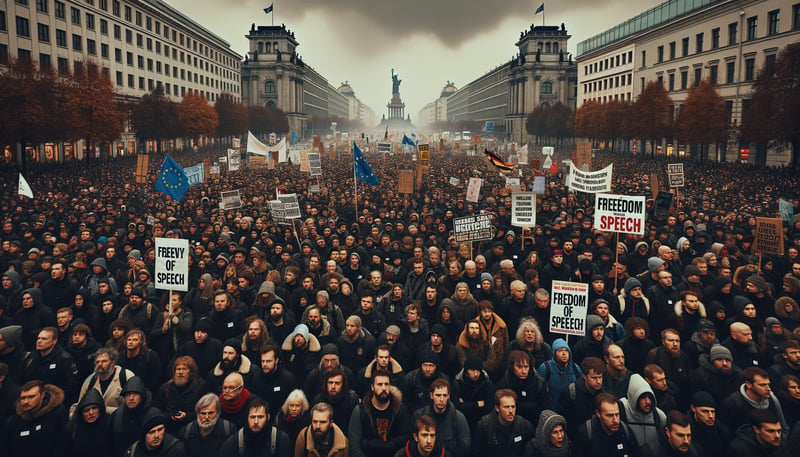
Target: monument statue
[{"x": 395, "y": 82}]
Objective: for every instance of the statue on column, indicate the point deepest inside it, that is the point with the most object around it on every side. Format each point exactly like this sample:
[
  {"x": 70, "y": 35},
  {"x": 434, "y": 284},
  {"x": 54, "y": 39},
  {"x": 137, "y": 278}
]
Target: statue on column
[{"x": 395, "y": 82}]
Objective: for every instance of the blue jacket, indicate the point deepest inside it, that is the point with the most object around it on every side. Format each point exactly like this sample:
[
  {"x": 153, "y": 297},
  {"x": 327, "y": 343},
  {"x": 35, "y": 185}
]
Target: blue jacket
[{"x": 559, "y": 376}]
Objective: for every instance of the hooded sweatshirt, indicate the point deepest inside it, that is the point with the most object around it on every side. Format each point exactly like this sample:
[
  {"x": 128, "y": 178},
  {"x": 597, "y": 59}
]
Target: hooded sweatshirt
[
  {"x": 82, "y": 438},
  {"x": 548, "y": 420},
  {"x": 557, "y": 375},
  {"x": 645, "y": 426}
]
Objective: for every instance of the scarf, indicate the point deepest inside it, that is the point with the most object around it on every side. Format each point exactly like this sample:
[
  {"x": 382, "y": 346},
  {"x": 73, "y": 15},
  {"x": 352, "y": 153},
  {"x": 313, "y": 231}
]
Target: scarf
[
  {"x": 765, "y": 403},
  {"x": 235, "y": 405}
]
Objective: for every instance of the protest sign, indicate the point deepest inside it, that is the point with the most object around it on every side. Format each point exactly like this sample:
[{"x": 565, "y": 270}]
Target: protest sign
[
  {"x": 675, "y": 174},
  {"x": 384, "y": 147},
  {"x": 290, "y": 205},
  {"x": 769, "y": 236},
  {"x": 583, "y": 156},
  {"x": 523, "y": 209},
  {"x": 315, "y": 164},
  {"x": 591, "y": 182},
  {"x": 568, "y": 306},
  {"x": 230, "y": 200},
  {"x": 277, "y": 211},
  {"x": 619, "y": 213},
  {"x": 454, "y": 181},
  {"x": 424, "y": 153},
  {"x": 474, "y": 189},
  {"x": 172, "y": 264},
  {"x": 538, "y": 184},
  {"x": 473, "y": 228},
  {"x": 405, "y": 182},
  {"x": 233, "y": 160},
  {"x": 662, "y": 204},
  {"x": 196, "y": 174}
]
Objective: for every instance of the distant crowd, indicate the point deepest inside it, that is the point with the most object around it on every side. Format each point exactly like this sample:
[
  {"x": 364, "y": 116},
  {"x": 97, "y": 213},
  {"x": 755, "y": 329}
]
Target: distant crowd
[{"x": 364, "y": 329}]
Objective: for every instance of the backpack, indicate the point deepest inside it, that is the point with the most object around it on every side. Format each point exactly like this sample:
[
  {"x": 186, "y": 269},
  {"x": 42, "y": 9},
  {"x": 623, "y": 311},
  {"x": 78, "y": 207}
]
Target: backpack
[
  {"x": 272, "y": 445},
  {"x": 589, "y": 429}
]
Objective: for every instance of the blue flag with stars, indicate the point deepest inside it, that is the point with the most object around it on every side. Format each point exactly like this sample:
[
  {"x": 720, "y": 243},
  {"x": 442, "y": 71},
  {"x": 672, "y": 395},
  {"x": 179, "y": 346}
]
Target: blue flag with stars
[
  {"x": 363, "y": 170},
  {"x": 172, "y": 180}
]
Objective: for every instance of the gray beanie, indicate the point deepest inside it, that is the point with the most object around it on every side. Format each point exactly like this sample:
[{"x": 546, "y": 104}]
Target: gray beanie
[
  {"x": 719, "y": 351},
  {"x": 632, "y": 283},
  {"x": 11, "y": 334},
  {"x": 593, "y": 321},
  {"x": 653, "y": 263},
  {"x": 486, "y": 277}
]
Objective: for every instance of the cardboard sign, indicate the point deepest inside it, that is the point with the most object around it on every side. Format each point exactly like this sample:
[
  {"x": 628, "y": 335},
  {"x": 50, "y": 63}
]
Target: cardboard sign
[
  {"x": 568, "y": 307},
  {"x": 591, "y": 182},
  {"x": 424, "y": 153},
  {"x": 172, "y": 264},
  {"x": 619, "y": 213},
  {"x": 290, "y": 205},
  {"x": 277, "y": 211},
  {"x": 474, "y": 190},
  {"x": 405, "y": 182},
  {"x": 523, "y": 209},
  {"x": 230, "y": 200},
  {"x": 315, "y": 164},
  {"x": 654, "y": 186},
  {"x": 473, "y": 228},
  {"x": 454, "y": 181},
  {"x": 769, "y": 236},
  {"x": 583, "y": 155}
]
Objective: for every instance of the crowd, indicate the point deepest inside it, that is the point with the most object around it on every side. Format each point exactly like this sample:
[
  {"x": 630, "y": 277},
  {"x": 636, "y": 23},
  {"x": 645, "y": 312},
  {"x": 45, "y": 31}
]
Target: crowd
[{"x": 364, "y": 329}]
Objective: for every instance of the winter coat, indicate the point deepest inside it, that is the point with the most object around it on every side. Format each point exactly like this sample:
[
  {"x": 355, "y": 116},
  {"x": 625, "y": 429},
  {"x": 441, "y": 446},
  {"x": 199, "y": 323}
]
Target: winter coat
[
  {"x": 492, "y": 439},
  {"x": 559, "y": 376},
  {"x": 27, "y": 435},
  {"x": 305, "y": 447},
  {"x": 646, "y": 426},
  {"x": 365, "y": 441}
]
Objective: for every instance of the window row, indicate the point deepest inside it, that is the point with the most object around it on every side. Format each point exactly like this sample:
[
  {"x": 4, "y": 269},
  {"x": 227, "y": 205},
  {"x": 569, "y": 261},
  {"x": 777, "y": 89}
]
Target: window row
[
  {"x": 609, "y": 62},
  {"x": 607, "y": 83}
]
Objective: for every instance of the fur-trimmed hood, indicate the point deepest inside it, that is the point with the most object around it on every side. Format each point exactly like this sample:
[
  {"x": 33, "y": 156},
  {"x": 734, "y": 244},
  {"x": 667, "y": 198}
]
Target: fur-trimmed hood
[
  {"x": 394, "y": 368},
  {"x": 313, "y": 343},
  {"x": 395, "y": 398},
  {"x": 244, "y": 366},
  {"x": 678, "y": 308},
  {"x": 53, "y": 398}
]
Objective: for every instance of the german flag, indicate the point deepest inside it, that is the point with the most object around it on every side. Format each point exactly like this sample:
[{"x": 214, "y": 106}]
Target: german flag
[{"x": 495, "y": 160}]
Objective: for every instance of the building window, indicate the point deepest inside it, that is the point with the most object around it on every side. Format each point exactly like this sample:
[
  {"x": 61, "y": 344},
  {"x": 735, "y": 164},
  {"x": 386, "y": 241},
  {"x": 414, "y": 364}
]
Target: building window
[
  {"x": 715, "y": 38},
  {"x": 685, "y": 46},
  {"x": 644, "y": 58},
  {"x": 129, "y": 58},
  {"x": 42, "y": 6},
  {"x": 61, "y": 38},
  {"x": 119, "y": 78},
  {"x": 752, "y": 28},
  {"x": 90, "y": 21},
  {"x": 44, "y": 32},
  {"x": 91, "y": 47},
  {"x": 139, "y": 18},
  {"x": 684, "y": 79},
  {"x": 660, "y": 54},
  {"x": 23, "y": 27},
  {"x": 699, "y": 42},
  {"x": 141, "y": 83},
  {"x": 769, "y": 62},
  {"x": 148, "y": 23},
  {"x": 118, "y": 55},
  {"x": 3, "y": 54},
  {"x": 149, "y": 64},
  {"x": 22, "y": 2},
  {"x": 796, "y": 17},
  {"x": 774, "y": 18},
  {"x": 76, "y": 16},
  {"x": 698, "y": 76},
  {"x": 749, "y": 69},
  {"x": 713, "y": 74},
  {"x": 104, "y": 50},
  {"x": 128, "y": 13},
  {"x": 269, "y": 87},
  {"x": 44, "y": 61},
  {"x": 547, "y": 87},
  {"x": 103, "y": 26},
  {"x": 103, "y": 4},
  {"x": 733, "y": 29},
  {"x": 139, "y": 39},
  {"x": 24, "y": 55},
  {"x": 730, "y": 72},
  {"x": 63, "y": 65},
  {"x": 672, "y": 51},
  {"x": 115, "y": 7},
  {"x": 140, "y": 62},
  {"x": 128, "y": 36},
  {"x": 77, "y": 43},
  {"x": 117, "y": 32},
  {"x": 131, "y": 81},
  {"x": 671, "y": 82}
]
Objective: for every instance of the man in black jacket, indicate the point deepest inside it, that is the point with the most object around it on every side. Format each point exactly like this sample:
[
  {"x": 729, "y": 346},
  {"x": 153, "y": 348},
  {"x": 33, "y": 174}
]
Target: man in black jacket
[
  {"x": 502, "y": 432},
  {"x": 380, "y": 424},
  {"x": 155, "y": 441},
  {"x": 605, "y": 434},
  {"x": 763, "y": 437},
  {"x": 258, "y": 437},
  {"x": 37, "y": 424},
  {"x": 709, "y": 434},
  {"x": 274, "y": 381}
]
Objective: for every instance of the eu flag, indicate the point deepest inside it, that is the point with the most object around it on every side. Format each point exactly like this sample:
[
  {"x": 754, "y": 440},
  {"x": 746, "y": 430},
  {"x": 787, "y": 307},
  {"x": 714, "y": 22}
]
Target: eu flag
[
  {"x": 363, "y": 170},
  {"x": 172, "y": 180}
]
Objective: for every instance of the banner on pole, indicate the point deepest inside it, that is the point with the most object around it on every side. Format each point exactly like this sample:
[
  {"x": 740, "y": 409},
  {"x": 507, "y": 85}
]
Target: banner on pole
[
  {"x": 590, "y": 182},
  {"x": 405, "y": 182},
  {"x": 233, "y": 160},
  {"x": 619, "y": 213},
  {"x": 523, "y": 209},
  {"x": 675, "y": 174},
  {"x": 172, "y": 264},
  {"x": 568, "y": 306},
  {"x": 769, "y": 236},
  {"x": 473, "y": 228},
  {"x": 196, "y": 174},
  {"x": 474, "y": 190},
  {"x": 315, "y": 164}
]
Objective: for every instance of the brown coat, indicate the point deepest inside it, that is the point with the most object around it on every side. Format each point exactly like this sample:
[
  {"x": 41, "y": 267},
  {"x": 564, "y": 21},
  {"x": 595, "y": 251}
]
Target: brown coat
[{"x": 305, "y": 447}]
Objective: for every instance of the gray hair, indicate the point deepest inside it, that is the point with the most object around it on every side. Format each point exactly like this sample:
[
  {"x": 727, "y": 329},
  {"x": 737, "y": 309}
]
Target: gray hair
[
  {"x": 295, "y": 395},
  {"x": 207, "y": 400}
]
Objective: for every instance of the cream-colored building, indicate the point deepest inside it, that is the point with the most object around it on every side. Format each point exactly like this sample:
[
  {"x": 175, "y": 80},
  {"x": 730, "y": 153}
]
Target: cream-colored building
[{"x": 682, "y": 42}]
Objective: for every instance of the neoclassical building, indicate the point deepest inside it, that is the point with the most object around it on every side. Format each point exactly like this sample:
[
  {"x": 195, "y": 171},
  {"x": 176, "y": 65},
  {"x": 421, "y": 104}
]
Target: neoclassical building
[
  {"x": 275, "y": 76},
  {"x": 542, "y": 74}
]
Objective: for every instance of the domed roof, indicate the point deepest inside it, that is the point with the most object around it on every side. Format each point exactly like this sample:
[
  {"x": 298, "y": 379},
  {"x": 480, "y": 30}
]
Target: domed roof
[
  {"x": 345, "y": 89},
  {"x": 449, "y": 89}
]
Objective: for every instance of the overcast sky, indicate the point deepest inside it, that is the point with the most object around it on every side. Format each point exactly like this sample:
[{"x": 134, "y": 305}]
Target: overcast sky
[{"x": 428, "y": 42}]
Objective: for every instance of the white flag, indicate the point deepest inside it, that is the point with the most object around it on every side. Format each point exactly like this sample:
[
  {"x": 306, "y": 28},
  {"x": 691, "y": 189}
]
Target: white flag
[{"x": 24, "y": 188}]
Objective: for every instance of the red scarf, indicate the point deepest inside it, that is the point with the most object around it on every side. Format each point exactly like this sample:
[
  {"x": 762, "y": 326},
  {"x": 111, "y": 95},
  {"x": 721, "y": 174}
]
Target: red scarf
[{"x": 235, "y": 405}]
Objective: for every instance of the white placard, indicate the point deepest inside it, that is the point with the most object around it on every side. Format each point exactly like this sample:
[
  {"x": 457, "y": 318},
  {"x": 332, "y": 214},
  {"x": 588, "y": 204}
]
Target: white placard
[
  {"x": 523, "y": 209},
  {"x": 590, "y": 182},
  {"x": 454, "y": 181},
  {"x": 538, "y": 184},
  {"x": 473, "y": 228},
  {"x": 230, "y": 199},
  {"x": 290, "y": 205},
  {"x": 474, "y": 189},
  {"x": 196, "y": 174},
  {"x": 675, "y": 175},
  {"x": 172, "y": 264},
  {"x": 548, "y": 150},
  {"x": 619, "y": 213},
  {"x": 568, "y": 306},
  {"x": 315, "y": 163},
  {"x": 233, "y": 160}
]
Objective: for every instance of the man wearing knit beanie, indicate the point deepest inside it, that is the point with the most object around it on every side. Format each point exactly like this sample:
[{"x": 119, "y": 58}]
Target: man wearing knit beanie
[
  {"x": 709, "y": 435},
  {"x": 12, "y": 351},
  {"x": 155, "y": 440},
  {"x": 419, "y": 381},
  {"x": 717, "y": 374}
]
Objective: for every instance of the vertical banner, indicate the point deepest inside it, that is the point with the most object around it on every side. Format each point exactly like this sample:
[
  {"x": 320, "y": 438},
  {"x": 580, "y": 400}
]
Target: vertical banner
[
  {"x": 523, "y": 209},
  {"x": 769, "y": 236},
  {"x": 654, "y": 186},
  {"x": 583, "y": 156},
  {"x": 538, "y": 184},
  {"x": 568, "y": 306},
  {"x": 142, "y": 161},
  {"x": 424, "y": 153},
  {"x": 233, "y": 160},
  {"x": 474, "y": 190},
  {"x": 172, "y": 264},
  {"x": 405, "y": 182}
]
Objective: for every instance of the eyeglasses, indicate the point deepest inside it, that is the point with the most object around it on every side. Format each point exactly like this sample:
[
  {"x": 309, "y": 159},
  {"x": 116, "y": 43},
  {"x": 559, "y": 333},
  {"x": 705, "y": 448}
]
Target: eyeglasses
[{"x": 232, "y": 389}]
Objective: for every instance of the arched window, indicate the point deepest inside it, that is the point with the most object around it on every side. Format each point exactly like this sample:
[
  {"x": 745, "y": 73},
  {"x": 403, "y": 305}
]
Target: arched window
[
  {"x": 261, "y": 47},
  {"x": 547, "y": 87},
  {"x": 539, "y": 46},
  {"x": 555, "y": 48},
  {"x": 269, "y": 87},
  {"x": 269, "y": 48},
  {"x": 275, "y": 47},
  {"x": 271, "y": 105},
  {"x": 547, "y": 48}
]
